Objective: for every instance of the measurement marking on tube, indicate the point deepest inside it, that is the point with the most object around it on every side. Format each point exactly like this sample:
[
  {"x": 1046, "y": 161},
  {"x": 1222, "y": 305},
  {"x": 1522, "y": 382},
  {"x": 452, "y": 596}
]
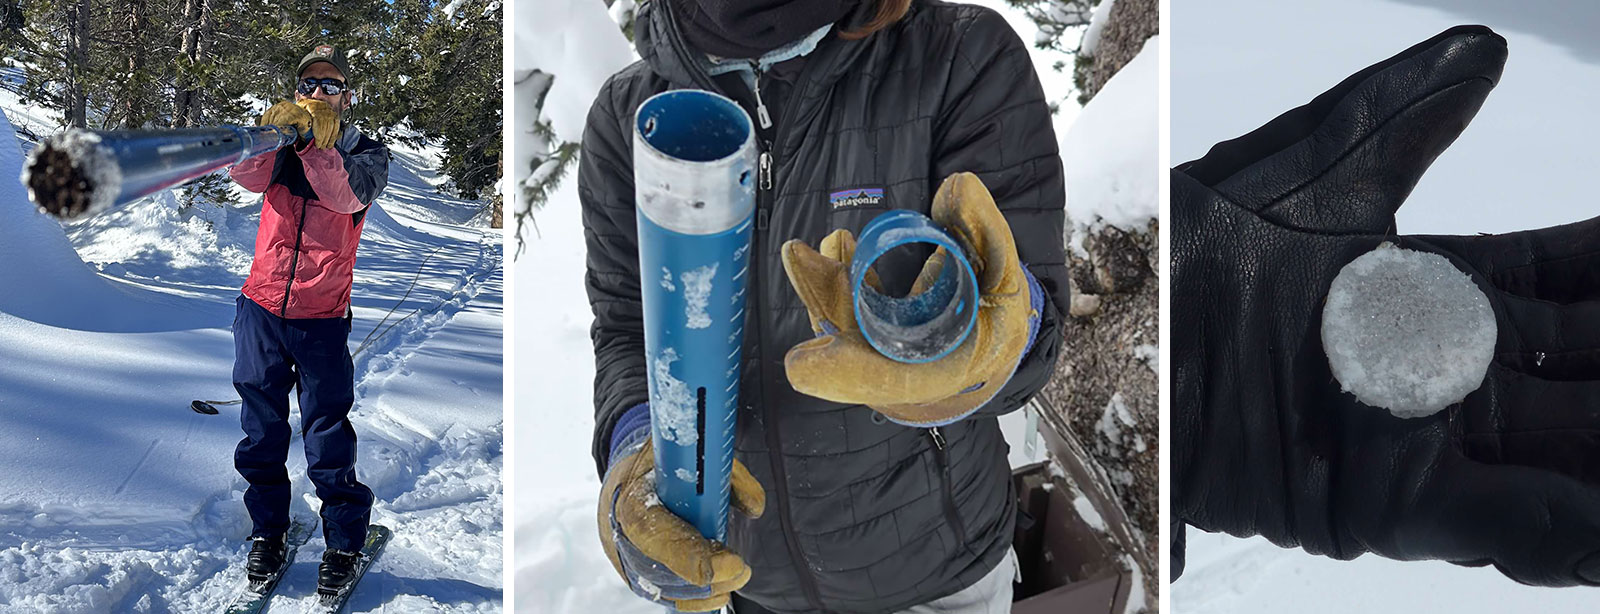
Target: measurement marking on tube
[
  {"x": 700, "y": 442},
  {"x": 741, "y": 272},
  {"x": 730, "y": 386},
  {"x": 166, "y": 149}
]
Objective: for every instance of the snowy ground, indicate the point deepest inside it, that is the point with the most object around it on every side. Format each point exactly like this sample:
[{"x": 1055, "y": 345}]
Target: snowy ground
[
  {"x": 1524, "y": 162},
  {"x": 559, "y": 565},
  {"x": 115, "y": 497}
]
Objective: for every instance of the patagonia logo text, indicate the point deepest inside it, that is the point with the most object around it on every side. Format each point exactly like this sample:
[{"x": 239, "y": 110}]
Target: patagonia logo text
[{"x": 855, "y": 197}]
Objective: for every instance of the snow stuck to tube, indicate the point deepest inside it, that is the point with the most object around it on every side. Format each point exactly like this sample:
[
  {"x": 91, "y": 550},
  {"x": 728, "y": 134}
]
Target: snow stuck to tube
[
  {"x": 1110, "y": 152},
  {"x": 697, "y": 295},
  {"x": 1407, "y": 331},
  {"x": 672, "y": 406},
  {"x": 72, "y": 176}
]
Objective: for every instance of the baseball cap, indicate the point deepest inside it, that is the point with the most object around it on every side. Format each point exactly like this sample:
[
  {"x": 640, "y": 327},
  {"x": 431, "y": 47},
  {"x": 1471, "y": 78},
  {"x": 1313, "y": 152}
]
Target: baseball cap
[{"x": 326, "y": 53}]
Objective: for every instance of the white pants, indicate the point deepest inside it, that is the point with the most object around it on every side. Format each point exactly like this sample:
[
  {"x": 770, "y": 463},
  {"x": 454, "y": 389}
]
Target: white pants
[{"x": 991, "y": 594}]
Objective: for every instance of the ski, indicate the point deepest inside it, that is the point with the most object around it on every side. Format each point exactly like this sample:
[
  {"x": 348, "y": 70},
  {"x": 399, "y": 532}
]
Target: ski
[
  {"x": 377, "y": 537},
  {"x": 208, "y": 408},
  {"x": 255, "y": 596}
]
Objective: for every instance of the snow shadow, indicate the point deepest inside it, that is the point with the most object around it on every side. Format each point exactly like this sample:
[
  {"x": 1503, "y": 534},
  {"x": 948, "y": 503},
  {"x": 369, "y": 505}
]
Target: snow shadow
[{"x": 379, "y": 587}]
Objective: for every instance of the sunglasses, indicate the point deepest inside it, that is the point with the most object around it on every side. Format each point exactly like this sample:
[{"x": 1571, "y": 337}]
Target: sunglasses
[{"x": 330, "y": 86}]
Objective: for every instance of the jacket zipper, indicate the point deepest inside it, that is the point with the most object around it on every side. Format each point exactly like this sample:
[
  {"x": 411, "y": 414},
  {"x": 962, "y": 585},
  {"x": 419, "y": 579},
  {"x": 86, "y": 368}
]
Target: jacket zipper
[
  {"x": 294, "y": 261},
  {"x": 951, "y": 515},
  {"x": 765, "y": 202},
  {"x": 808, "y": 582}
]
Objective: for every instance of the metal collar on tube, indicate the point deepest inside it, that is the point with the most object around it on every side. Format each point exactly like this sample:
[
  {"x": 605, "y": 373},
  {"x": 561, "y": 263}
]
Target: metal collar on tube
[{"x": 697, "y": 147}]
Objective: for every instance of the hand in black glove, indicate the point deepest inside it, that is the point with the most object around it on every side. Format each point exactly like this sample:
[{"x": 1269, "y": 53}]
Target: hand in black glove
[{"x": 1265, "y": 440}]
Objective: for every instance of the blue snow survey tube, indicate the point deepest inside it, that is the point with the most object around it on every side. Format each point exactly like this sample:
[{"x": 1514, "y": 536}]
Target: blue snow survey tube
[{"x": 694, "y": 160}]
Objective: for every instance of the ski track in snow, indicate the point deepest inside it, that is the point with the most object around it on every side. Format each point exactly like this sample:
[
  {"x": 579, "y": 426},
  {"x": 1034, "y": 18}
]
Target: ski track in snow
[{"x": 427, "y": 415}]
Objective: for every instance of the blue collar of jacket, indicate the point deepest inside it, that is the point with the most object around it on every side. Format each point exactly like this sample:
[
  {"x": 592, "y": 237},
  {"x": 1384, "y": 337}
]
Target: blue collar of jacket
[
  {"x": 662, "y": 47},
  {"x": 748, "y": 68},
  {"x": 349, "y": 137}
]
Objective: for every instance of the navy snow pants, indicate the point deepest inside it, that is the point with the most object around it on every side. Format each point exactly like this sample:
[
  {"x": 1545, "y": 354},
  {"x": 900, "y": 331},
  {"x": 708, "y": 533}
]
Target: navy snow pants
[{"x": 271, "y": 354}]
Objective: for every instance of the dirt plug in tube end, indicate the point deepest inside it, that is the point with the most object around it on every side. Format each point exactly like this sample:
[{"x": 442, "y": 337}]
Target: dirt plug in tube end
[
  {"x": 72, "y": 175},
  {"x": 79, "y": 173}
]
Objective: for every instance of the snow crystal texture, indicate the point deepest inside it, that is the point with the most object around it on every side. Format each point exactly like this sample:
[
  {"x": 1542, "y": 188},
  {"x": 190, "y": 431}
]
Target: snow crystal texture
[
  {"x": 1407, "y": 331},
  {"x": 697, "y": 295},
  {"x": 672, "y": 406}
]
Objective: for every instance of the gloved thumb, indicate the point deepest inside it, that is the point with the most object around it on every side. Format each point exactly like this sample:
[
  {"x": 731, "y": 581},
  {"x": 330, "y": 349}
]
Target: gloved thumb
[
  {"x": 748, "y": 498},
  {"x": 964, "y": 206},
  {"x": 1347, "y": 160},
  {"x": 1536, "y": 526},
  {"x": 822, "y": 279}
]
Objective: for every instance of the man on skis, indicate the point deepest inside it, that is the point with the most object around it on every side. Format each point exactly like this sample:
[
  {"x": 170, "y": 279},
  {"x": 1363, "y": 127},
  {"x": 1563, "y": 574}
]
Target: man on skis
[{"x": 294, "y": 318}]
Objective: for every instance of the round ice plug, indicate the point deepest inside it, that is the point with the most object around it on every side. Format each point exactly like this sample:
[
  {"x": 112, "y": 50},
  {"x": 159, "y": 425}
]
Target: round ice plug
[{"x": 1407, "y": 331}]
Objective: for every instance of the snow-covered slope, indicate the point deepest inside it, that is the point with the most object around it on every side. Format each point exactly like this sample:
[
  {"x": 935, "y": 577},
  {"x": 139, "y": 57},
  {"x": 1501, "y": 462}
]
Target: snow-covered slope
[
  {"x": 35, "y": 249},
  {"x": 1524, "y": 162},
  {"x": 115, "y": 497}
]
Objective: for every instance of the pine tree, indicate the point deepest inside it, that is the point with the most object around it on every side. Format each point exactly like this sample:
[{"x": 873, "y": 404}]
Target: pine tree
[
  {"x": 430, "y": 65},
  {"x": 552, "y": 157}
]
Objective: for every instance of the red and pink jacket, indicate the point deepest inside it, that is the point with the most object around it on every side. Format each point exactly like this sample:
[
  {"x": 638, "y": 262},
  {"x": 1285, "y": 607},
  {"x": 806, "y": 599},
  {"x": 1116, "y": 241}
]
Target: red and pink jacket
[{"x": 316, "y": 202}]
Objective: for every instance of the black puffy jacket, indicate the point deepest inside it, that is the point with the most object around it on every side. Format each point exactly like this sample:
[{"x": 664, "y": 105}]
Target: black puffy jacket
[{"x": 863, "y": 515}]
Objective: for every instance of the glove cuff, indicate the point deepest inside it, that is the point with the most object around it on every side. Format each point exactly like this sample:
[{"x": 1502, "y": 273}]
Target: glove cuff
[
  {"x": 1035, "y": 307},
  {"x": 630, "y": 432}
]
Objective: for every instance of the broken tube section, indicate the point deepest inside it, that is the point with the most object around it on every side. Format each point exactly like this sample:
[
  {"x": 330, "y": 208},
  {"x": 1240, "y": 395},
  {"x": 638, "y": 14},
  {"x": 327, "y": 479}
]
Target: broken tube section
[{"x": 923, "y": 326}]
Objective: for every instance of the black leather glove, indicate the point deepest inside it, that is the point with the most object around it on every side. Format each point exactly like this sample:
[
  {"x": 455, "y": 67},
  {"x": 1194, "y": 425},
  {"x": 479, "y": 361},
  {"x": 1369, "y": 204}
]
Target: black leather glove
[{"x": 1266, "y": 443}]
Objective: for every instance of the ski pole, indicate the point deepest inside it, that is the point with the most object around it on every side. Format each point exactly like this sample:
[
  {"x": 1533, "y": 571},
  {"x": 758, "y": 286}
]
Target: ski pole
[
  {"x": 78, "y": 173},
  {"x": 694, "y": 174}
]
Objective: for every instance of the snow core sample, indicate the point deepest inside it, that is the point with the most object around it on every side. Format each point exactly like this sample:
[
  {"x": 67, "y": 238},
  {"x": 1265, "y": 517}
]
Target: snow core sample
[
  {"x": 694, "y": 159},
  {"x": 925, "y": 326},
  {"x": 1407, "y": 331}
]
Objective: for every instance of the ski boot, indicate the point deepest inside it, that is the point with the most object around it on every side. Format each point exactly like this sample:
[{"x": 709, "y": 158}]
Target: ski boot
[
  {"x": 336, "y": 570},
  {"x": 266, "y": 557}
]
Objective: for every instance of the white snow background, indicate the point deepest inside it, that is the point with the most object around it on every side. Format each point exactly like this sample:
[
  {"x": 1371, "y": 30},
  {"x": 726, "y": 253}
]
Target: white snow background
[
  {"x": 559, "y": 565},
  {"x": 115, "y": 497},
  {"x": 1524, "y": 162}
]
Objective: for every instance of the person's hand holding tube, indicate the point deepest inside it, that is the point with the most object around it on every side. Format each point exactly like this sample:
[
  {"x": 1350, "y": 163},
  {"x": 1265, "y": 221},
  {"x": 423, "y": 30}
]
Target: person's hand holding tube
[
  {"x": 661, "y": 556},
  {"x": 287, "y": 114},
  {"x": 840, "y": 365},
  {"x": 324, "y": 122},
  {"x": 1265, "y": 440}
]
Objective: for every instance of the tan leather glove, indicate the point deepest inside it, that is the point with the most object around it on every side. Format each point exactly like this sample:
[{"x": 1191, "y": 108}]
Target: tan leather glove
[
  {"x": 287, "y": 114},
  {"x": 843, "y": 367},
  {"x": 324, "y": 122},
  {"x": 640, "y": 535}
]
